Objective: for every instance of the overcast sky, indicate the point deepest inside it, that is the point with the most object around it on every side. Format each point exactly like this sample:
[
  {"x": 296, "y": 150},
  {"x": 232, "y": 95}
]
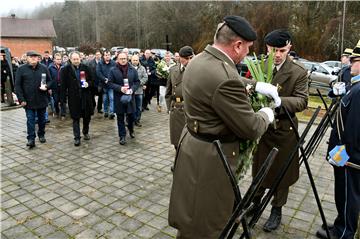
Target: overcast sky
[{"x": 20, "y": 7}]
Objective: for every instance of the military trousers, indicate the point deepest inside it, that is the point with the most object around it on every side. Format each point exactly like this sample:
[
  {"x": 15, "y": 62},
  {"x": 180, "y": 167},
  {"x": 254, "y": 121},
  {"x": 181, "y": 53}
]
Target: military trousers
[{"x": 280, "y": 196}]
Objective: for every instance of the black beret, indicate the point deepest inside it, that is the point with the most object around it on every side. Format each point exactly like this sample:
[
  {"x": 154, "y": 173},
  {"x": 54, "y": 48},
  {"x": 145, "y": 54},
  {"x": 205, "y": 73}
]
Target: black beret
[
  {"x": 278, "y": 38},
  {"x": 32, "y": 53},
  {"x": 186, "y": 51},
  {"x": 241, "y": 27}
]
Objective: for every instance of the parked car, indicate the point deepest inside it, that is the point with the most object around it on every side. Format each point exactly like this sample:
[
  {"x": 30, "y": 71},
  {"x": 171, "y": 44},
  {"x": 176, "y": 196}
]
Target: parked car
[
  {"x": 71, "y": 48},
  {"x": 321, "y": 75},
  {"x": 160, "y": 52},
  {"x": 116, "y": 48},
  {"x": 133, "y": 50},
  {"x": 59, "y": 49},
  {"x": 336, "y": 65}
]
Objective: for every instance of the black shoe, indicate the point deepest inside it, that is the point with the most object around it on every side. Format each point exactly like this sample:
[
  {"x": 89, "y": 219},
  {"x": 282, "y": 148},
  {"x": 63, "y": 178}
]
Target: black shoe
[
  {"x": 42, "y": 139},
  {"x": 100, "y": 111},
  {"x": 31, "y": 144},
  {"x": 86, "y": 137},
  {"x": 321, "y": 233},
  {"x": 274, "y": 220},
  {"x": 172, "y": 169},
  {"x": 132, "y": 134},
  {"x": 146, "y": 108},
  {"x": 330, "y": 226},
  {"x": 106, "y": 115},
  {"x": 47, "y": 121},
  {"x": 122, "y": 141},
  {"x": 138, "y": 124},
  {"x": 77, "y": 142},
  {"x": 112, "y": 116}
]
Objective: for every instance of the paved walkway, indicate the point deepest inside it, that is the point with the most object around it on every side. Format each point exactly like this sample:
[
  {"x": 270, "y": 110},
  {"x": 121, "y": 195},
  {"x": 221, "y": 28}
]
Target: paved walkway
[{"x": 104, "y": 190}]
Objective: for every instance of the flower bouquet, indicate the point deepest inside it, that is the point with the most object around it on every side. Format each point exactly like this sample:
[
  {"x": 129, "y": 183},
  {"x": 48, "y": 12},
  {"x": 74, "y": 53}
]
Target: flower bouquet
[
  {"x": 257, "y": 101},
  {"x": 162, "y": 69}
]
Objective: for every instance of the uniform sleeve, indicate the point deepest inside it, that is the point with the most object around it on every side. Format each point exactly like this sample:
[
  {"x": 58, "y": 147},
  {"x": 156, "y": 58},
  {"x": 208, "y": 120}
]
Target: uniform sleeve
[
  {"x": 352, "y": 124},
  {"x": 298, "y": 100},
  {"x": 18, "y": 86},
  {"x": 168, "y": 92},
  {"x": 230, "y": 102}
]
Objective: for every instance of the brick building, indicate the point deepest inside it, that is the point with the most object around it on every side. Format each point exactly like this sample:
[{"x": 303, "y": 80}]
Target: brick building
[{"x": 22, "y": 35}]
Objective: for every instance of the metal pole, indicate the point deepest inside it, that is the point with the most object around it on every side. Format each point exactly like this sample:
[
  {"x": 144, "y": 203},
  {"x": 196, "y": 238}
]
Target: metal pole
[{"x": 343, "y": 27}]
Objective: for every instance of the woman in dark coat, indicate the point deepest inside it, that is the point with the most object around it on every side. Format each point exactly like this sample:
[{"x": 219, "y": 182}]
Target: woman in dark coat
[
  {"x": 124, "y": 98},
  {"x": 79, "y": 97}
]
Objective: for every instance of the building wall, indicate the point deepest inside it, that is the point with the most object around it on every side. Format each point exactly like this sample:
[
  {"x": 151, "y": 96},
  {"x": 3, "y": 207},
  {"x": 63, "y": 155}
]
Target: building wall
[{"x": 19, "y": 46}]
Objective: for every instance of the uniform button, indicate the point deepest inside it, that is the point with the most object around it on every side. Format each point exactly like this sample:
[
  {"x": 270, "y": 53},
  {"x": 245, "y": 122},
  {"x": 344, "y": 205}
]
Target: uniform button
[
  {"x": 234, "y": 153},
  {"x": 290, "y": 128},
  {"x": 195, "y": 123},
  {"x": 277, "y": 120},
  {"x": 175, "y": 86},
  {"x": 174, "y": 93}
]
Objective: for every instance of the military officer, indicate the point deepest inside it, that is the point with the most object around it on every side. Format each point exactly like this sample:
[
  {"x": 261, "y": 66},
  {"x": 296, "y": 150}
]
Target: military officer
[
  {"x": 174, "y": 97},
  {"x": 216, "y": 108},
  {"x": 347, "y": 180},
  {"x": 291, "y": 79}
]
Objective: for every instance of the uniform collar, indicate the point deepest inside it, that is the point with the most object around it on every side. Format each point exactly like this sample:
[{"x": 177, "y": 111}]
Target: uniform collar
[{"x": 219, "y": 54}]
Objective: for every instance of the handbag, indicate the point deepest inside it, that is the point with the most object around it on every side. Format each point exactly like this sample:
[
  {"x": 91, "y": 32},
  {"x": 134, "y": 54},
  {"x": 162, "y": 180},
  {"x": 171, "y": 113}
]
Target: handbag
[{"x": 125, "y": 99}]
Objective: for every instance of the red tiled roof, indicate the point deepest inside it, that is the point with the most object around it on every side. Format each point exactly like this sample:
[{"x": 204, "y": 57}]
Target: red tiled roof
[{"x": 17, "y": 27}]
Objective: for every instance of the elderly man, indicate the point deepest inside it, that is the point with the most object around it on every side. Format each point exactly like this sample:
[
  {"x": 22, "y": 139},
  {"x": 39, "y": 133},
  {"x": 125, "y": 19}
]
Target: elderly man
[
  {"x": 143, "y": 77},
  {"x": 76, "y": 81},
  {"x": 216, "y": 108},
  {"x": 31, "y": 86},
  {"x": 174, "y": 96},
  {"x": 123, "y": 79}
]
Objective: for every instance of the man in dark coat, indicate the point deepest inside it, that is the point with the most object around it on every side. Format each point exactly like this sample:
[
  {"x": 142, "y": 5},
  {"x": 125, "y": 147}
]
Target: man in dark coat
[
  {"x": 123, "y": 79},
  {"x": 152, "y": 86},
  {"x": 347, "y": 180},
  {"x": 31, "y": 85},
  {"x": 78, "y": 94},
  {"x": 97, "y": 89},
  {"x": 54, "y": 70},
  {"x": 174, "y": 97},
  {"x": 216, "y": 106},
  {"x": 46, "y": 60},
  {"x": 292, "y": 83}
]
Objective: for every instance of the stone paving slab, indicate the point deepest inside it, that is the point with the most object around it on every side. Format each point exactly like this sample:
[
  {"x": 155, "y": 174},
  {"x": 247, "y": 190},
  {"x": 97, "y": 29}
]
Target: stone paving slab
[{"x": 104, "y": 190}]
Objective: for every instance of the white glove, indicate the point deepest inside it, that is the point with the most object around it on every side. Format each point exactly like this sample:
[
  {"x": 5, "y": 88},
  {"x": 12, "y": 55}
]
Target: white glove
[
  {"x": 339, "y": 88},
  {"x": 268, "y": 90},
  {"x": 277, "y": 101},
  {"x": 268, "y": 111},
  {"x": 86, "y": 85}
]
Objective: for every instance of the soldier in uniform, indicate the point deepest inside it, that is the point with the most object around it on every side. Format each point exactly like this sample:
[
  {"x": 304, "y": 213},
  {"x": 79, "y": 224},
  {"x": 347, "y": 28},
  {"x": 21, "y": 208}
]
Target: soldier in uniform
[
  {"x": 344, "y": 75},
  {"x": 216, "y": 108},
  {"x": 292, "y": 82},
  {"x": 347, "y": 180},
  {"x": 174, "y": 97}
]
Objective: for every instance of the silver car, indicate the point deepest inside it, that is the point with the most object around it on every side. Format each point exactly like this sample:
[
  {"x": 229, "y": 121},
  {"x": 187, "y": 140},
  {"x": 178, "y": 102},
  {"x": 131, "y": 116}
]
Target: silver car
[{"x": 321, "y": 75}]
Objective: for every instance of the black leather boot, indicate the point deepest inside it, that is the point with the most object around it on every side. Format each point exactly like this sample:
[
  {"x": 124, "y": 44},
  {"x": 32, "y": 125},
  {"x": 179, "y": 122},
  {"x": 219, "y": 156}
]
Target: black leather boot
[{"x": 274, "y": 220}]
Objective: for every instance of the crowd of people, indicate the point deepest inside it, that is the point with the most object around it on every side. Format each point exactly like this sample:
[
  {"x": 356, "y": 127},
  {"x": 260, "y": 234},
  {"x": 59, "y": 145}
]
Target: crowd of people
[{"x": 120, "y": 86}]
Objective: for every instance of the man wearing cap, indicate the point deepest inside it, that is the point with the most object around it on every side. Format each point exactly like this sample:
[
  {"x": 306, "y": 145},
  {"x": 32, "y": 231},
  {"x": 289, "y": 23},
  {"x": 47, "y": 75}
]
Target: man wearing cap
[
  {"x": 345, "y": 75},
  {"x": 32, "y": 95},
  {"x": 216, "y": 107},
  {"x": 174, "y": 97},
  {"x": 291, "y": 79},
  {"x": 347, "y": 180}
]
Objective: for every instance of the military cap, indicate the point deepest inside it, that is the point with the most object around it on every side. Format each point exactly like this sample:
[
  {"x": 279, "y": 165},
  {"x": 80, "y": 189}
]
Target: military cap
[
  {"x": 278, "y": 38},
  {"x": 186, "y": 51},
  {"x": 32, "y": 53},
  {"x": 347, "y": 52},
  {"x": 355, "y": 56},
  {"x": 241, "y": 27}
]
